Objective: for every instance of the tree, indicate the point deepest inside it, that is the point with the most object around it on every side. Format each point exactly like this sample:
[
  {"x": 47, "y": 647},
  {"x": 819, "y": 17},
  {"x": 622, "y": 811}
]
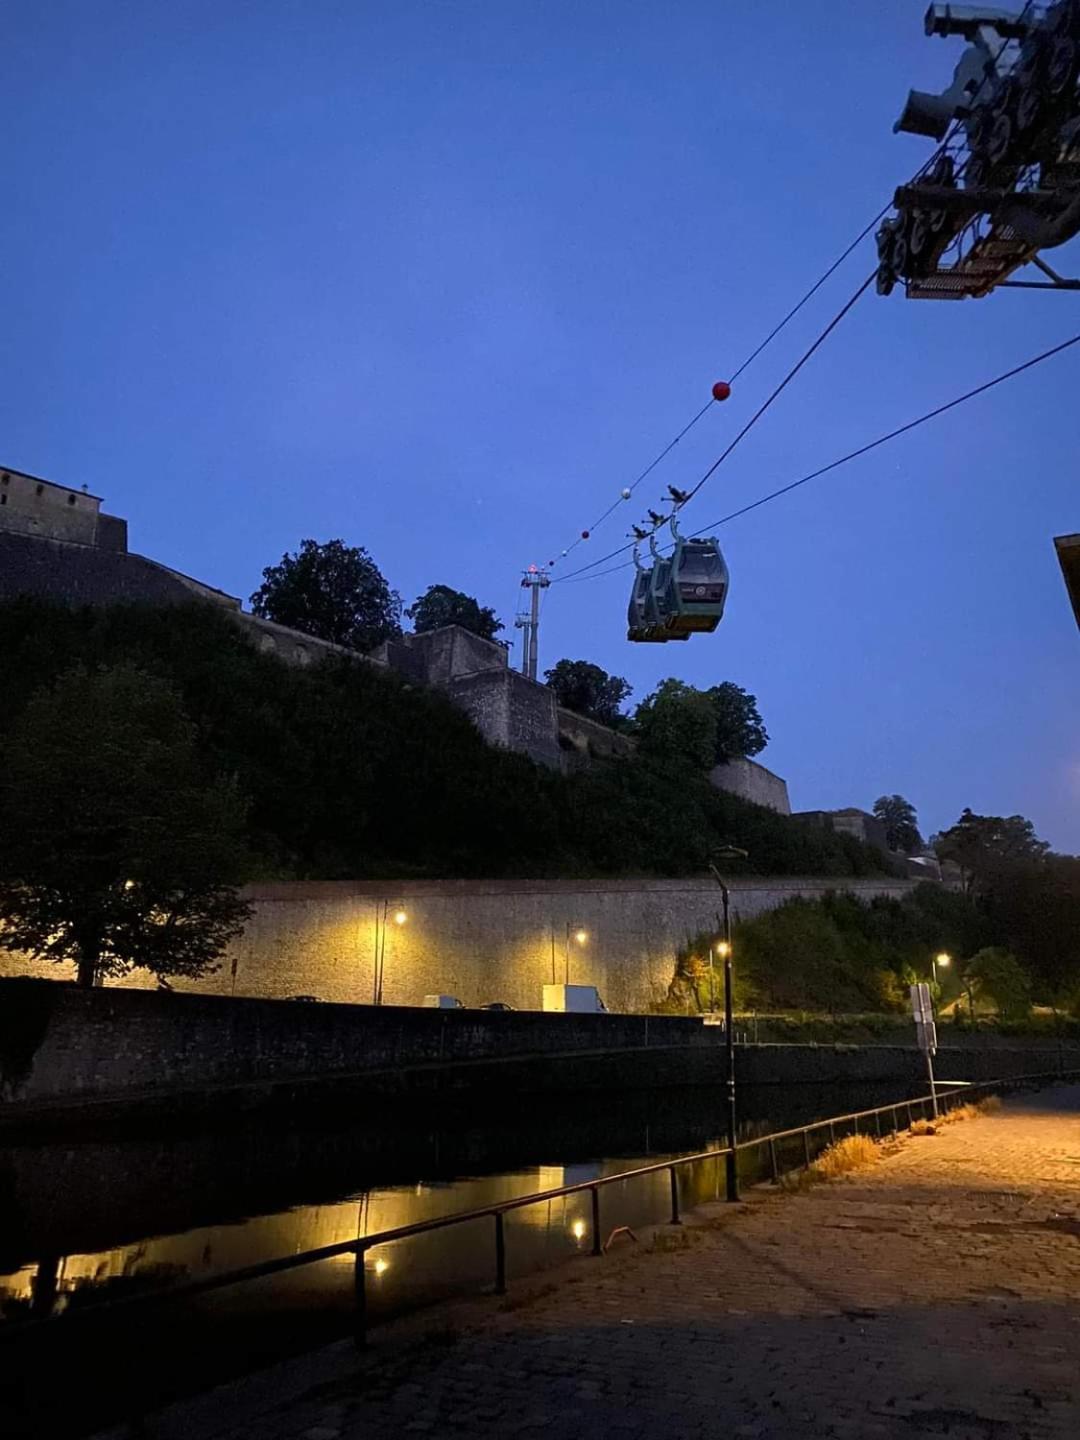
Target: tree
[
  {"x": 1036, "y": 904},
  {"x": 116, "y": 849},
  {"x": 901, "y": 823},
  {"x": 678, "y": 723},
  {"x": 985, "y": 845},
  {"x": 740, "y": 730},
  {"x": 588, "y": 690},
  {"x": 439, "y": 605},
  {"x": 333, "y": 591},
  {"x": 354, "y": 773},
  {"x": 997, "y": 974}
]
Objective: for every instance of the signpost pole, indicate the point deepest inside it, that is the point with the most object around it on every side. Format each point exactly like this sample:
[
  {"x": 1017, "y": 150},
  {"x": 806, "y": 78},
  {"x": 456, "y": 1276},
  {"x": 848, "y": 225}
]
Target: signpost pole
[{"x": 922, "y": 1008}]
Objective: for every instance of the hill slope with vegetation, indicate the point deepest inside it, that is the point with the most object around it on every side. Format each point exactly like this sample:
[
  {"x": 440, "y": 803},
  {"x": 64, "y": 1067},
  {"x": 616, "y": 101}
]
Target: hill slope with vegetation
[{"x": 348, "y": 771}]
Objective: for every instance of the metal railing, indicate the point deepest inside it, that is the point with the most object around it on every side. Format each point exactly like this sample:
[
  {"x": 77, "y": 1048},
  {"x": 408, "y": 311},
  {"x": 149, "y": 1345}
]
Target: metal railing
[{"x": 944, "y": 1099}]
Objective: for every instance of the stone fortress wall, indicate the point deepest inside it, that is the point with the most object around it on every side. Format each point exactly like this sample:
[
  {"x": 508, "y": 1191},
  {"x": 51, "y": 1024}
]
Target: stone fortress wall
[
  {"x": 479, "y": 940},
  {"x": 56, "y": 543}
]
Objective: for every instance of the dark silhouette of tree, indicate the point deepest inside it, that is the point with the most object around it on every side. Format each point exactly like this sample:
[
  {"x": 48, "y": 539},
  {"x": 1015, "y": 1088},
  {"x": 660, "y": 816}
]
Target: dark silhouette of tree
[
  {"x": 677, "y": 724},
  {"x": 116, "y": 848},
  {"x": 985, "y": 845},
  {"x": 740, "y": 730},
  {"x": 997, "y": 974},
  {"x": 675, "y": 720},
  {"x": 901, "y": 823},
  {"x": 587, "y": 690},
  {"x": 333, "y": 591},
  {"x": 352, "y": 772},
  {"x": 439, "y": 605}
]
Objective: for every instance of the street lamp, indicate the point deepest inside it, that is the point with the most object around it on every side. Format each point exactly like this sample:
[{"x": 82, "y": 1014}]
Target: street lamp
[
  {"x": 400, "y": 918},
  {"x": 942, "y": 959},
  {"x": 729, "y": 852},
  {"x": 581, "y": 937}
]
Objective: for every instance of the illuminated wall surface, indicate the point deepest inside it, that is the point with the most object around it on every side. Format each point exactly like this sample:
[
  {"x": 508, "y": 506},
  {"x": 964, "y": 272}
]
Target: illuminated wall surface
[{"x": 478, "y": 940}]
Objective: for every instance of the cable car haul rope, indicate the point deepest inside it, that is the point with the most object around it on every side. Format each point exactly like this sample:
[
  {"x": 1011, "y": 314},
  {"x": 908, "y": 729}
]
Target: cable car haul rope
[{"x": 1016, "y": 61}]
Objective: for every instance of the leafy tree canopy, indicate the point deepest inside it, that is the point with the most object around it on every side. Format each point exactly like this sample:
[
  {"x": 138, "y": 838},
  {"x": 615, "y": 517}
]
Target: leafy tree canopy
[
  {"x": 704, "y": 727},
  {"x": 439, "y": 605},
  {"x": 901, "y": 823},
  {"x": 333, "y": 591},
  {"x": 997, "y": 974},
  {"x": 586, "y": 689},
  {"x": 676, "y": 724},
  {"x": 984, "y": 845},
  {"x": 116, "y": 849},
  {"x": 740, "y": 730},
  {"x": 352, "y": 773},
  {"x": 853, "y": 955}
]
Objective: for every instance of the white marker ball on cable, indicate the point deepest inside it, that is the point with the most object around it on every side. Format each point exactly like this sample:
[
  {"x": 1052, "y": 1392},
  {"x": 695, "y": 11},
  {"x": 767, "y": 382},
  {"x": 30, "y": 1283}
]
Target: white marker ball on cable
[{"x": 625, "y": 494}]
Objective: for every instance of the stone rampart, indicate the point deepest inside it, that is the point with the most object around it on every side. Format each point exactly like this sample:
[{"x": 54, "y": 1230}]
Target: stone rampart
[{"x": 481, "y": 940}]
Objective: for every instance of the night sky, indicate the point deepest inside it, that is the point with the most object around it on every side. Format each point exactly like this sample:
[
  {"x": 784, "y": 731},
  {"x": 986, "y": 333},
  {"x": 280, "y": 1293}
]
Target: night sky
[{"x": 440, "y": 278}]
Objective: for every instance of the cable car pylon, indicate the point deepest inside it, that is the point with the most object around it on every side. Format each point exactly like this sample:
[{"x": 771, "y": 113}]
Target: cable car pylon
[{"x": 534, "y": 580}]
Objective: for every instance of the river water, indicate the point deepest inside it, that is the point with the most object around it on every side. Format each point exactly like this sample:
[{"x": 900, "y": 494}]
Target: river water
[{"x": 85, "y": 1222}]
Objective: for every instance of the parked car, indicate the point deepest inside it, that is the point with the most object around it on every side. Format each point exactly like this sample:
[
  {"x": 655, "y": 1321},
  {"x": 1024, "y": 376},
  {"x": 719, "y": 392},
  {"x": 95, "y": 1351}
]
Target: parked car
[
  {"x": 442, "y": 1002},
  {"x": 496, "y": 1005}
]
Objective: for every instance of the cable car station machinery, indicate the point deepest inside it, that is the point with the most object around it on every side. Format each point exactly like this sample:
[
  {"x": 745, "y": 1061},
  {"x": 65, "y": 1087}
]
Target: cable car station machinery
[{"x": 1005, "y": 181}]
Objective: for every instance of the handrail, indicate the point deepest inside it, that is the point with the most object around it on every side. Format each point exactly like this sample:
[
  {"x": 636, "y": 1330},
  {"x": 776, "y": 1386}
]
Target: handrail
[{"x": 496, "y": 1211}]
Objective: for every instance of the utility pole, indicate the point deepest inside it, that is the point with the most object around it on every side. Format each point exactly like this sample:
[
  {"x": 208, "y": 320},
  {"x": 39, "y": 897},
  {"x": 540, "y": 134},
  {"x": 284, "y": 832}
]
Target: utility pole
[{"x": 533, "y": 580}]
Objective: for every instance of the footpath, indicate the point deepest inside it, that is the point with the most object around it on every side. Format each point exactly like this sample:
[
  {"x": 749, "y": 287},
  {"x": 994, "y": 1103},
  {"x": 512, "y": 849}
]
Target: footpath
[{"x": 936, "y": 1293}]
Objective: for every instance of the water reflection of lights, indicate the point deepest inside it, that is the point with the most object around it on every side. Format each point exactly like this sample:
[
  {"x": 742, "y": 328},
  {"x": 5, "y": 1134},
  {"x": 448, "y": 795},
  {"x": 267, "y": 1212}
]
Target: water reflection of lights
[{"x": 578, "y": 1229}]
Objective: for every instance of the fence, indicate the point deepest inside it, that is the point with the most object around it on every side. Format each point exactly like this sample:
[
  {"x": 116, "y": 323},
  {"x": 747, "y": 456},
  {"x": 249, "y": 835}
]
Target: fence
[{"x": 882, "y": 1119}]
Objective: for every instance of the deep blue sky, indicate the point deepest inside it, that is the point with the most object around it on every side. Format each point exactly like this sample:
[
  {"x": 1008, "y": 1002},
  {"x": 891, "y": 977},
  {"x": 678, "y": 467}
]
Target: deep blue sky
[{"x": 441, "y": 277}]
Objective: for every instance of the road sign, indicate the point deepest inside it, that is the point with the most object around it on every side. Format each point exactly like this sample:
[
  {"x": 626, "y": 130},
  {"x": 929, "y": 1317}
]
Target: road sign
[{"x": 922, "y": 1007}]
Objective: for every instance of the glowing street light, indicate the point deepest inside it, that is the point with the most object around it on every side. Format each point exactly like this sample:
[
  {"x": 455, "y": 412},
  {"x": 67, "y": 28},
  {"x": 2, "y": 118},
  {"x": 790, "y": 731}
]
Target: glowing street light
[
  {"x": 577, "y": 1229},
  {"x": 942, "y": 960},
  {"x": 580, "y": 937},
  {"x": 382, "y": 917}
]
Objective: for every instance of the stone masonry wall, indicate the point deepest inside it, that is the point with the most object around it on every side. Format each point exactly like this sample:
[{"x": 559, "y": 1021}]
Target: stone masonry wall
[
  {"x": 480, "y": 940},
  {"x": 752, "y": 781},
  {"x": 108, "y": 1042}
]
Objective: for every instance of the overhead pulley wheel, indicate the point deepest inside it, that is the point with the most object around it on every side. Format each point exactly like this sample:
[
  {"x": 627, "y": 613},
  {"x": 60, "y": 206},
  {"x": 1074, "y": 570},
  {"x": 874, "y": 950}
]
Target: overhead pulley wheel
[
  {"x": 999, "y": 137},
  {"x": 920, "y": 236},
  {"x": 1061, "y": 66},
  {"x": 900, "y": 253},
  {"x": 1028, "y": 106},
  {"x": 975, "y": 173}
]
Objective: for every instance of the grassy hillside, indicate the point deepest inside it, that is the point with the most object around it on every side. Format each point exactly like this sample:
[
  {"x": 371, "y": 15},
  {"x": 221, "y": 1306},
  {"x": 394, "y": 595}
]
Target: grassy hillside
[{"x": 352, "y": 772}]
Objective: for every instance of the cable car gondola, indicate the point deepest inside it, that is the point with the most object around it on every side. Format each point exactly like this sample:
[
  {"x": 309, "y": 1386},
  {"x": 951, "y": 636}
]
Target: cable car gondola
[
  {"x": 680, "y": 594},
  {"x": 639, "y": 625},
  {"x": 697, "y": 586}
]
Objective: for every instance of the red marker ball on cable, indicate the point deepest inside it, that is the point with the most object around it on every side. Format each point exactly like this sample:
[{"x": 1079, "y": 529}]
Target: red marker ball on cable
[
  {"x": 584, "y": 534},
  {"x": 721, "y": 390}
]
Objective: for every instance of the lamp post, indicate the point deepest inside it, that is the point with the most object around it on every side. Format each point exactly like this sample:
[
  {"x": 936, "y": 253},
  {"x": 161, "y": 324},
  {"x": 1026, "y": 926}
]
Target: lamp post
[
  {"x": 944, "y": 960},
  {"x": 400, "y": 918},
  {"x": 730, "y": 852},
  {"x": 581, "y": 936}
]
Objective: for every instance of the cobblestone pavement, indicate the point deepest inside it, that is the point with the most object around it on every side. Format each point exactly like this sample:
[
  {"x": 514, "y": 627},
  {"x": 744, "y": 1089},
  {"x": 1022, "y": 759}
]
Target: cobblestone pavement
[{"x": 935, "y": 1294}]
